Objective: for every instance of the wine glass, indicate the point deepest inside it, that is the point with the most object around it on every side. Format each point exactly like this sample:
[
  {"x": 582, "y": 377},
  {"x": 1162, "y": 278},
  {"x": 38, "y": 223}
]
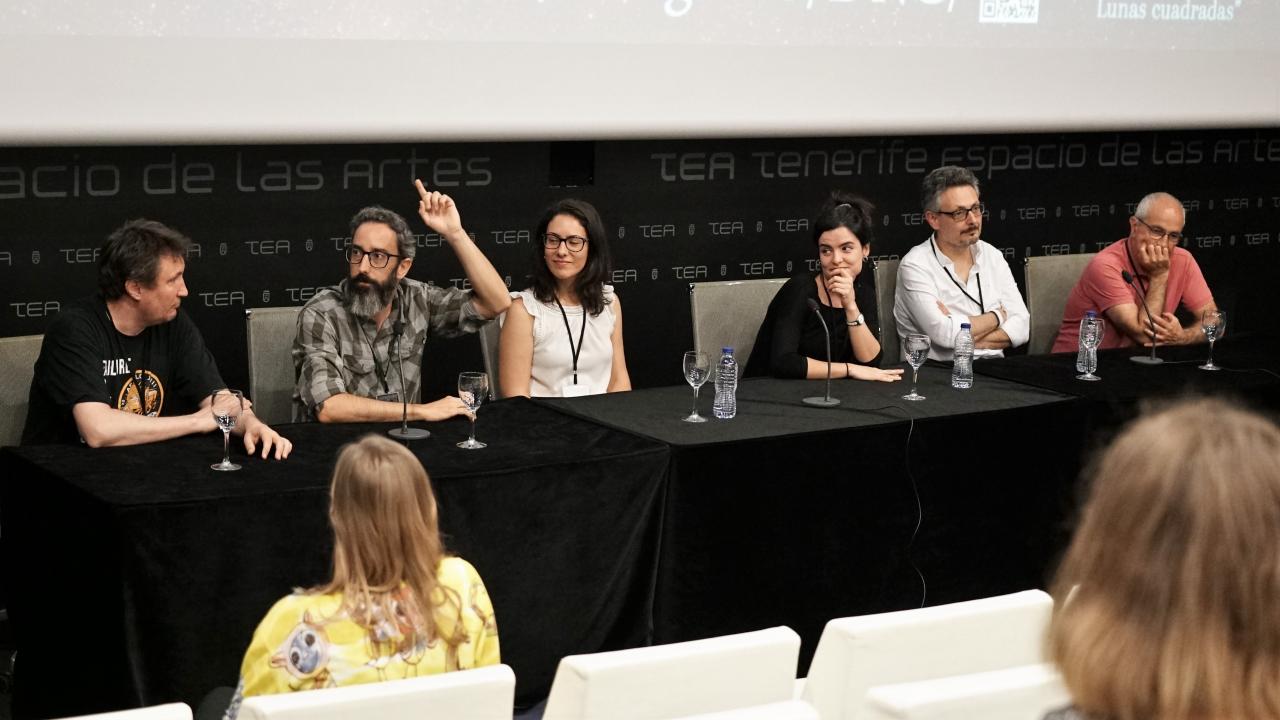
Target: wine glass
[
  {"x": 226, "y": 405},
  {"x": 473, "y": 387},
  {"x": 1092, "y": 330},
  {"x": 697, "y": 368},
  {"x": 1214, "y": 324},
  {"x": 917, "y": 347}
]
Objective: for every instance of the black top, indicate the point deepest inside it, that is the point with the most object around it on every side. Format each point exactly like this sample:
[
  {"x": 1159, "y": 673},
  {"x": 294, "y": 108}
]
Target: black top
[
  {"x": 791, "y": 331},
  {"x": 164, "y": 370}
]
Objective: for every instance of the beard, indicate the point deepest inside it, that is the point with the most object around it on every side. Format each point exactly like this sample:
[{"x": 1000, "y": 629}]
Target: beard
[{"x": 366, "y": 297}]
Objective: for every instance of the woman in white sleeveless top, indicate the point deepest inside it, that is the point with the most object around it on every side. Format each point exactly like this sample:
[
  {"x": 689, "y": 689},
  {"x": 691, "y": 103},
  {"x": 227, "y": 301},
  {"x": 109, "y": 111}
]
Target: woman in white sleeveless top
[{"x": 562, "y": 337}]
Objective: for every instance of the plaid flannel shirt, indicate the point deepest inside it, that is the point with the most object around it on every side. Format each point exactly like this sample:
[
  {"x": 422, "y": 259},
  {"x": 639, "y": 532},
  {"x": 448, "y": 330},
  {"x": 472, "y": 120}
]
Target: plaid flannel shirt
[{"x": 336, "y": 352}]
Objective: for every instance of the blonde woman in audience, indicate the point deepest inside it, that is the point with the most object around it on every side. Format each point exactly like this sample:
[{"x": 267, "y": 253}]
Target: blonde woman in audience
[
  {"x": 397, "y": 607},
  {"x": 1167, "y": 600}
]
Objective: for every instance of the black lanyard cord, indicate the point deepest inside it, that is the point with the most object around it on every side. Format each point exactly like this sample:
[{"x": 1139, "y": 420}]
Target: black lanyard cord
[
  {"x": 981, "y": 302},
  {"x": 573, "y": 351}
]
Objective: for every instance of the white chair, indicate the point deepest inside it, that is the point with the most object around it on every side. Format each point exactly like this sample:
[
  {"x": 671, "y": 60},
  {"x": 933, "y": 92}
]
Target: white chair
[
  {"x": 857, "y": 653},
  {"x": 729, "y": 313},
  {"x": 17, "y": 367},
  {"x": 669, "y": 681},
  {"x": 172, "y": 711},
  {"x": 482, "y": 694},
  {"x": 886, "y": 275},
  {"x": 269, "y": 333},
  {"x": 1020, "y": 693},
  {"x": 789, "y": 710},
  {"x": 1049, "y": 282},
  {"x": 489, "y": 335}
]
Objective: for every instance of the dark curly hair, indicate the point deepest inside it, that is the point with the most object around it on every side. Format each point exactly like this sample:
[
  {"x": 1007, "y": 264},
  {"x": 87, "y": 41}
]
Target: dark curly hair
[
  {"x": 133, "y": 252},
  {"x": 589, "y": 285},
  {"x": 846, "y": 210}
]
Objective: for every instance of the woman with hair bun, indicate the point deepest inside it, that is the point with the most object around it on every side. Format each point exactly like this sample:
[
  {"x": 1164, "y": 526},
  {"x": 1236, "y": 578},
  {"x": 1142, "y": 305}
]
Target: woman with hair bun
[{"x": 791, "y": 342}]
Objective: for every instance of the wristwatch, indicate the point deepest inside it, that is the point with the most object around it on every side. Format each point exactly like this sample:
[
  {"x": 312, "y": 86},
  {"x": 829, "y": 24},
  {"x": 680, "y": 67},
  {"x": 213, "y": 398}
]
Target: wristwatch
[{"x": 856, "y": 322}]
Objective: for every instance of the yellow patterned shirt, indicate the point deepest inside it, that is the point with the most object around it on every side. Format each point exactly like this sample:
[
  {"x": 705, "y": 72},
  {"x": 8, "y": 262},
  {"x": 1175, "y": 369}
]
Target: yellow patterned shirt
[{"x": 308, "y": 641}]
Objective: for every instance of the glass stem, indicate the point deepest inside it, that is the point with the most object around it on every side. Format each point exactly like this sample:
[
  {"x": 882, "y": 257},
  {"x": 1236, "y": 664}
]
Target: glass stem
[
  {"x": 1211, "y": 353},
  {"x": 472, "y": 440},
  {"x": 693, "y": 412},
  {"x": 226, "y": 447},
  {"x": 915, "y": 377}
]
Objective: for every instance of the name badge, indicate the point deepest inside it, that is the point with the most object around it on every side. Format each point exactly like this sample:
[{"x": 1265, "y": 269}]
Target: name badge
[
  {"x": 569, "y": 388},
  {"x": 390, "y": 397}
]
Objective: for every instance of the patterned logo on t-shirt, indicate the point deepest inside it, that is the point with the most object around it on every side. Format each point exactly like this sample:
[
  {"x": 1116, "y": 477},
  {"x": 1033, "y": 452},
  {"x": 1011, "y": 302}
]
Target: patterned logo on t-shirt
[{"x": 141, "y": 394}]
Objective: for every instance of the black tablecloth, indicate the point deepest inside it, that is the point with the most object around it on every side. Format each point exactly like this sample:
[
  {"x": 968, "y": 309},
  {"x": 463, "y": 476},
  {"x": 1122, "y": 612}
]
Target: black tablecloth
[
  {"x": 137, "y": 575},
  {"x": 794, "y": 515},
  {"x": 1249, "y": 376}
]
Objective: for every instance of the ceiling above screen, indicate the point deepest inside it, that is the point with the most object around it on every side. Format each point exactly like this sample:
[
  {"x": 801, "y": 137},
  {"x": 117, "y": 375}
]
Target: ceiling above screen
[{"x": 298, "y": 70}]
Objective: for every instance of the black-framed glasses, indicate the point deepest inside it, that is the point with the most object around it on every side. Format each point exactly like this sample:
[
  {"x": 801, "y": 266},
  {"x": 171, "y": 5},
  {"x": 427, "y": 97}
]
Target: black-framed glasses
[
  {"x": 959, "y": 214},
  {"x": 1159, "y": 233},
  {"x": 551, "y": 241},
  {"x": 377, "y": 258}
]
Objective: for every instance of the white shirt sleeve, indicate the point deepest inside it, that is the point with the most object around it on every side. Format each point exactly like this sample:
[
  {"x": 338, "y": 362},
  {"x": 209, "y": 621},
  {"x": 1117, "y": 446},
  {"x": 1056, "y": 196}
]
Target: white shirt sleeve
[
  {"x": 1018, "y": 324},
  {"x": 917, "y": 301}
]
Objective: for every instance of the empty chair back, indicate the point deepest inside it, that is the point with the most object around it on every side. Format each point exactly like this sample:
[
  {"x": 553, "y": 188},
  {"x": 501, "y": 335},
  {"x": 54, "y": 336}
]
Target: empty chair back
[
  {"x": 1049, "y": 282},
  {"x": 789, "y": 710},
  {"x": 886, "y": 275},
  {"x": 670, "y": 681},
  {"x": 17, "y": 367},
  {"x": 857, "y": 653},
  {"x": 483, "y": 694},
  {"x": 269, "y": 333},
  {"x": 489, "y": 335},
  {"x": 172, "y": 711},
  {"x": 1020, "y": 693},
  {"x": 728, "y": 314}
]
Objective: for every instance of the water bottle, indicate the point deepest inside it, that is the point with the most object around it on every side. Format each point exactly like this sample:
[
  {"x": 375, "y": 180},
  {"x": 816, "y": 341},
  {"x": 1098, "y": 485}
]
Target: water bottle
[
  {"x": 726, "y": 403},
  {"x": 962, "y": 368},
  {"x": 1082, "y": 354}
]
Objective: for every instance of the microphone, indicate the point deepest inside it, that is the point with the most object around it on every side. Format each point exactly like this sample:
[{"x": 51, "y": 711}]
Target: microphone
[
  {"x": 1143, "y": 359},
  {"x": 827, "y": 401},
  {"x": 404, "y": 432}
]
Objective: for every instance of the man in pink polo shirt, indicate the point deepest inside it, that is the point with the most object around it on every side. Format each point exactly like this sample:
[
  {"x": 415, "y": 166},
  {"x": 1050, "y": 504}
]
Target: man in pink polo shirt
[{"x": 1166, "y": 273}]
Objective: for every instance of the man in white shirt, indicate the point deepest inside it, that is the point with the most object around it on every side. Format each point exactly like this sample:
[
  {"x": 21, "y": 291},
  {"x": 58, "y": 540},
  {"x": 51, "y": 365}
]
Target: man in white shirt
[{"x": 955, "y": 277}]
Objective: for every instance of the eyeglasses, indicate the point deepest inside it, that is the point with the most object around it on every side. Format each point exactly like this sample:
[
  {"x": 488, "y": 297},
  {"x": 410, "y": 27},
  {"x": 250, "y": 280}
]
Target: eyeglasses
[
  {"x": 377, "y": 258},
  {"x": 1159, "y": 233},
  {"x": 959, "y": 214},
  {"x": 552, "y": 241}
]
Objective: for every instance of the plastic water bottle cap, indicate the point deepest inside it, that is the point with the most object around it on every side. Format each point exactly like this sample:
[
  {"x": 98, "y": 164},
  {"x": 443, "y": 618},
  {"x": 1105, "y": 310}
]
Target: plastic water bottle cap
[
  {"x": 964, "y": 326},
  {"x": 726, "y": 350},
  {"x": 1090, "y": 313}
]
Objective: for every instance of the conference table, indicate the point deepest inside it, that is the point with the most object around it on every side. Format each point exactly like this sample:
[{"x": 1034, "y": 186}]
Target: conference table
[{"x": 597, "y": 523}]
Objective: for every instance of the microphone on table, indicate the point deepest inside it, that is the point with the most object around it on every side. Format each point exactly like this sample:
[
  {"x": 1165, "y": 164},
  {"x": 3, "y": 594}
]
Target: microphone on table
[
  {"x": 1143, "y": 359},
  {"x": 827, "y": 401},
  {"x": 404, "y": 432}
]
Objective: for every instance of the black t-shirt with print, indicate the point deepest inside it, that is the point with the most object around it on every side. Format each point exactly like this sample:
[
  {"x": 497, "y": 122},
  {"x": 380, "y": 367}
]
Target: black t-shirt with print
[{"x": 164, "y": 370}]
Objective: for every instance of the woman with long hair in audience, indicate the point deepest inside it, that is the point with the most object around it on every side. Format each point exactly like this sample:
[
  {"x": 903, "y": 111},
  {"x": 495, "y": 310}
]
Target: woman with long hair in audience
[
  {"x": 562, "y": 336},
  {"x": 791, "y": 342},
  {"x": 1166, "y": 601},
  {"x": 397, "y": 606}
]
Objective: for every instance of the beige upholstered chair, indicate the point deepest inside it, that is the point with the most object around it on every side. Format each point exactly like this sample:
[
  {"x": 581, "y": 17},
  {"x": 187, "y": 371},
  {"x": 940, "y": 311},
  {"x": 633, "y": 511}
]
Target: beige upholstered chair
[
  {"x": 17, "y": 366},
  {"x": 1049, "y": 282},
  {"x": 483, "y": 694},
  {"x": 886, "y": 275},
  {"x": 269, "y": 333},
  {"x": 732, "y": 672},
  {"x": 857, "y": 653},
  {"x": 729, "y": 313}
]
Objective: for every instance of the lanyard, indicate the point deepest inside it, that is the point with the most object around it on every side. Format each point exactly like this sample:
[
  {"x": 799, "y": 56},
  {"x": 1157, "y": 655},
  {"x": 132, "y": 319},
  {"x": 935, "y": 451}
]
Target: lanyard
[
  {"x": 982, "y": 306},
  {"x": 573, "y": 351},
  {"x": 377, "y": 366}
]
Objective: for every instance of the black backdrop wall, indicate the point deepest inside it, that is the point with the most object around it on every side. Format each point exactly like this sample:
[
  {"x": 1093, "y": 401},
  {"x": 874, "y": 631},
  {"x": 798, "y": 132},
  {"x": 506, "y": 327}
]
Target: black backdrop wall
[{"x": 270, "y": 222}]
